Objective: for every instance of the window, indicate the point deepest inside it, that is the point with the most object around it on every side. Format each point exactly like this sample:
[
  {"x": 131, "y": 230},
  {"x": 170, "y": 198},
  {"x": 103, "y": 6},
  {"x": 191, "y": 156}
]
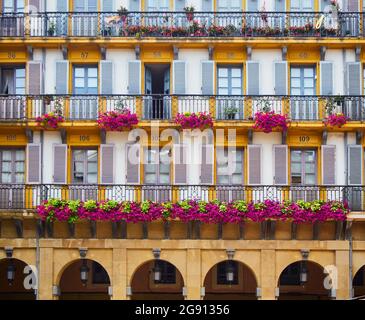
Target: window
[
  {"x": 12, "y": 166},
  {"x": 229, "y": 166},
  {"x": 291, "y": 275},
  {"x": 85, "y": 166},
  {"x": 99, "y": 275},
  {"x": 157, "y": 166},
  {"x": 85, "y": 80},
  {"x": 229, "y": 80},
  {"x": 229, "y": 5},
  {"x": 303, "y": 167},
  {"x": 13, "y": 80},
  {"x": 302, "y": 5},
  {"x": 168, "y": 272},
  {"x": 13, "y": 6},
  {"x": 222, "y": 269},
  {"x": 85, "y": 5},
  {"x": 157, "y": 5}
]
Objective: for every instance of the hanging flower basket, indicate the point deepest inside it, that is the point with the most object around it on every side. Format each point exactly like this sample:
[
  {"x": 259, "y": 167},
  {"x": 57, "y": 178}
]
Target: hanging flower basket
[
  {"x": 117, "y": 120},
  {"x": 200, "y": 120},
  {"x": 267, "y": 121},
  {"x": 336, "y": 120},
  {"x": 49, "y": 120}
]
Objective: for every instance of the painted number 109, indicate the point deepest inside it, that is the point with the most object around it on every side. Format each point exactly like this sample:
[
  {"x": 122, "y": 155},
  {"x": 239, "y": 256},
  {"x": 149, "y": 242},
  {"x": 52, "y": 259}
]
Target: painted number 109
[{"x": 304, "y": 138}]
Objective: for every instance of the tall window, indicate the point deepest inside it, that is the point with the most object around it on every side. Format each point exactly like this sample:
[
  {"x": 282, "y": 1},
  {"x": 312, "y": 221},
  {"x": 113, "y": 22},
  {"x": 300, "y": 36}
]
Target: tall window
[
  {"x": 85, "y": 79},
  {"x": 228, "y": 5},
  {"x": 12, "y": 166},
  {"x": 229, "y": 166},
  {"x": 303, "y": 167},
  {"x": 157, "y": 5},
  {"x": 85, "y": 5},
  {"x": 157, "y": 166},
  {"x": 13, "y": 80},
  {"x": 85, "y": 166},
  {"x": 302, "y": 5},
  {"x": 229, "y": 80},
  {"x": 13, "y": 5}
]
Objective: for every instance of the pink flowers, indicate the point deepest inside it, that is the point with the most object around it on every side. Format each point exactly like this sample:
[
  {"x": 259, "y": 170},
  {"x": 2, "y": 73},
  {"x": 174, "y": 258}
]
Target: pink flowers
[
  {"x": 337, "y": 119},
  {"x": 192, "y": 210},
  {"x": 201, "y": 120},
  {"x": 117, "y": 120},
  {"x": 49, "y": 120},
  {"x": 267, "y": 121}
]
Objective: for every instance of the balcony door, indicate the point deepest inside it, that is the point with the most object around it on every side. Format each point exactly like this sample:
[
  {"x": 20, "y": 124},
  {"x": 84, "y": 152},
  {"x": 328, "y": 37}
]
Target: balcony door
[
  {"x": 303, "y": 172},
  {"x": 12, "y": 178},
  {"x": 12, "y": 83},
  {"x": 229, "y": 83},
  {"x": 85, "y": 82},
  {"x": 302, "y": 84},
  {"x": 85, "y": 18},
  {"x": 300, "y": 7}
]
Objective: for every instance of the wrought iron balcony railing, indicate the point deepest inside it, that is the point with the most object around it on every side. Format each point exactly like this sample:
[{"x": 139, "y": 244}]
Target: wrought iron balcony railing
[
  {"x": 165, "y": 107},
  {"x": 181, "y": 24},
  {"x": 20, "y": 196}
]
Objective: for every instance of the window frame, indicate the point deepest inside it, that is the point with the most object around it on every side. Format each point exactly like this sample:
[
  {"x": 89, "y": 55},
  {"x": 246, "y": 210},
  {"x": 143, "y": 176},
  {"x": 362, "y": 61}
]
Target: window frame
[
  {"x": 85, "y": 165},
  {"x": 86, "y": 78},
  {"x": 156, "y": 165},
  {"x": 230, "y": 176},
  {"x": 229, "y": 77},
  {"x": 302, "y": 78},
  {"x": 13, "y": 162},
  {"x": 302, "y": 163}
]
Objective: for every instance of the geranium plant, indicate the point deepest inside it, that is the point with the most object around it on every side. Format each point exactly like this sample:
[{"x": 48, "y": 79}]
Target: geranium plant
[
  {"x": 269, "y": 120},
  {"x": 336, "y": 120},
  {"x": 118, "y": 120},
  {"x": 188, "y": 120}
]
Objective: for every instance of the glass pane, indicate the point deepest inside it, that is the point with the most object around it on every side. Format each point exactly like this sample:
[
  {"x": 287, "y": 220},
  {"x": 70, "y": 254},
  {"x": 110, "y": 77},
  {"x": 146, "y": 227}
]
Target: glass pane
[
  {"x": 6, "y": 155},
  {"x": 20, "y": 73},
  {"x": 222, "y": 91},
  {"x": 295, "y": 72},
  {"x": 149, "y": 168},
  {"x": 19, "y": 178},
  {"x": 295, "y": 92},
  {"x": 223, "y": 72},
  {"x": 93, "y": 72},
  {"x": 6, "y": 178},
  {"x": 79, "y": 167},
  {"x": 79, "y": 82},
  {"x": 239, "y": 156},
  {"x": 236, "y": 82},
  {"x": 310, "y": 168},
  {"x": 93, "y": 83},
  {"x": 223, "y": 82},
  {"x": 79, "y": 72},
  {"x": 222, "y": 170},
  {"x": 150, "y": 178},
  {"x": 308, "y": 72},
  {"x": 20, "y": 82},
  {"x": 164, "y": 178},
  {"x": 296, "y": 168},
  {"x": 310, "y": 179},
  {"x": 92, "y": 155},
  {"x": 236, "y": 72},
  {"x": 309, "y": 156},
  {"x": 92, "y": 178},
  {"x": 92, "y": 167},
  {"x": 19, "y": 166},
  {"x": 295, "y": 83},
  {"x": 236, "y": 91},
  {"x": 79, "y": 155},
  {"x": 308, "y": 83},
  {"x": 164, "y": 169},
  {"x": 223, "y": 179},
  {"x": 6, "y": 167},
  {"x": 19, "y": 155},
  {"x": 296, "y": 155},
  {"x": 296, "y": 179},
  {"x": 308, "y": 92},
  {"x": 237, "y": 179}
]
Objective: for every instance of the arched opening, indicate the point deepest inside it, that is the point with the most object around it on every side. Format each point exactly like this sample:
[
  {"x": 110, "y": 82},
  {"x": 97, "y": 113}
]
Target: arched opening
[
  {"x": 230, "y": 280},
  {"x": 358, "y": 283},
  {"x": 303, "y": 280},
  {"x": 157, "y": 280},
  {"x": 12, "y": 284},
  {"x": 84, "y": 279}
]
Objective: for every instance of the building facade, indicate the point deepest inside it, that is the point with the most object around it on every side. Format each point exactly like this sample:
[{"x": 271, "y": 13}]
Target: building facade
[{"x": 229, "y": 59}]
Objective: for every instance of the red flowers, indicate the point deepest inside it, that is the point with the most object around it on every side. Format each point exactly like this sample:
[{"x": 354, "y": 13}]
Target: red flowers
[
  {"x": 337, "y": 119},
  {"x": 267, "y": 121},
  {"x": 117, "y": 120},
  {"x": 199, "y": 120},
  {"x": 49, "y": 120}
]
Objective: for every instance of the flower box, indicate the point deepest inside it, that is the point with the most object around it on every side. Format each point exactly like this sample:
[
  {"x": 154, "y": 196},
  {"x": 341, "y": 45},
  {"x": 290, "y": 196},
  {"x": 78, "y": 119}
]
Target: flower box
[
  {"x": 117, "y": 120},
  {"x": 268, "y": 121},
  {"x": 336, "y": 120},
  {"x": 200, "y": 120},
  {"x": 49, "y": 120}
]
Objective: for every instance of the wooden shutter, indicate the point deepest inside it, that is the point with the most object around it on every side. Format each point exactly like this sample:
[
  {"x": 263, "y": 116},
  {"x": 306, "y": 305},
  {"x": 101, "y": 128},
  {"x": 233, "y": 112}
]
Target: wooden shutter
[
  {"x": 179, "y": 70},
  {"x": 34, "y": 77},
  {"x": 33, "y": 163},
  {"x": 62, "y": 5},
  {"x": 106, "y": 74},
  {"x": 353, "y": 5},
  {"x": 108, "y": 5},
  {"x": 134, "y": 77},
  {"x": 179, "y": 5},
  {"x": 328, "y": 165},
  {"x": 281, "y": 78},
  {"x": 355, "y": 166},
  {"x": 107, "y": 163},
  {"x": 254, "y": 164},
  {"x": 354, "y": 78},
  {"x": 207, "y": 164},
  {"x": 326, "y": 69},
  {"x": 208, "y": 78},
  {"x": 60, "y": 163},
  {"x": 207, "y": 5},
  {"x": 133, "y": 163},
  {"x": 180, "y": 164},
  {"x": 62, "y": 72},
  {"x": 134, "y": 5},
  {"x": 253, "y": 77},
  {"x": 280, "y": 161}
]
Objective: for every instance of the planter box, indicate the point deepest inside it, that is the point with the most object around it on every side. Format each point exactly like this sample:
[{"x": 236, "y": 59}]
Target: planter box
[
  {"x": 8, "y": 229},
  {"x": 60, "y": 229},
  {"x": 231, "y": 231},
  {"x": 82, "y": 229},
  {"x": 283, "y": 230},
  {"x": 358, "y": 230},
  {"x": 327, "y": 230},
  {"x": 29, "y": 228},
  {"x": 104, "y": 230},
  {"x": 305, "y": 231},
  {"x": 208, "y": 231},
  {"x": 134, "y": 230},
  {"x": 156, "y": 230},
  {"x": 178, "y": 230},
  {"x": 252, "y": 230}
]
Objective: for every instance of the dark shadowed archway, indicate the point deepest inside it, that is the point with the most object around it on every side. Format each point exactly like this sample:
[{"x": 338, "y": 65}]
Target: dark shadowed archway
[{"x": 358, "y": 283}]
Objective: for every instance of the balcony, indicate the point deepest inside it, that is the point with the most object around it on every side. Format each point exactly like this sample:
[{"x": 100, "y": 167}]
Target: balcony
[
  {"x": 178, "y": 24},
  {"x": 20, "y": 196},
  {"x": 165, "y": 107}
]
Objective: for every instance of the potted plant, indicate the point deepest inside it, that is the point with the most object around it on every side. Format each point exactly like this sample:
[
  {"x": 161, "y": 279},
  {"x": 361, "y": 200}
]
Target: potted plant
[
  {"x": 51, "y": 29},
  {"x": 189, "y": 12},
  {"x": 230, "y": 112},
  {"x": 188, "y": 120},
  {"x": 118, "y": 120},
  {"x": 123, "y": 13}
]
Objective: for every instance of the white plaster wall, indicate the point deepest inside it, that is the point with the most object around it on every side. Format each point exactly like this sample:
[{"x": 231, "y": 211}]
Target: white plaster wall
[
  {"x": 52, "y": 55},
  {"x": 337, "y": 139},
  {"x": 193, "y": 58},
  {"x": 50, "y": 138},
  {"x": 120, "y": 58}
]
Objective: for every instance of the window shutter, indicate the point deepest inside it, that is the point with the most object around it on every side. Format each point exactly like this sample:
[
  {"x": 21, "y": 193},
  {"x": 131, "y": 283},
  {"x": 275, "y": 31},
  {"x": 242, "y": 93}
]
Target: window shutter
[
  {"x": 253, "y": 78},
  {"x": 252, "y": 5},
  {"x": 62, "y": 5},
  {"x": 179, "y": 5},
  {"x": 179, "y": 69},
  {"x": 328, "y": 165},
  {"x": 254, "y": 164},
  {"x": 134, "y": 76},
  {"x": 207, "y": 164},
  {"x": 354, "y": 78},
  {"x": 62, "y": 72},
  {"x": 106, "y": 74},
  {"x": 208, "y": 78},
  {"x": 34, "y": 77},
  {"x": 34, "y": 6},
  {"x": 60, "y": 163},
  {"x": 280, "y": 5},
  {"x": 355, "y": 164},
  {"x": 133, "y": 163},
  {"x": 107, "y": 163},
  {"x": 180, "y": 164},
  {"x": 326, "y": 68},
  {"x": 353, "y": 5},
  {"x": 281, "y": 78},
  {"x": 280, "y": 164},
  {"x": 207, "y": 5},
  {"x": 134, "y": 5},
  {"x": 33, "y": 163},
  {"x": 108, "y": 5}
]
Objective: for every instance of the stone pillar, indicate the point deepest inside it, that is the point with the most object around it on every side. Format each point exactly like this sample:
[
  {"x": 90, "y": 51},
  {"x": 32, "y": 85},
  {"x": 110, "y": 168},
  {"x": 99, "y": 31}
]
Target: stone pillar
[
  {"x": 343, "y": 276},
  {"x": 119, "y": 280},
  {"x": 193, "y": 274},
  {"x": 268, "y": 274},
  {"x": 46, "y": 274}
]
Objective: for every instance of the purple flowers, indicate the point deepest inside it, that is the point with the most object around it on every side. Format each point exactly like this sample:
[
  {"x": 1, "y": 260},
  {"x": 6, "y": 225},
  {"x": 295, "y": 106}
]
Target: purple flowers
[
  {"x": 201, "y": 120},
  {"x": 337, "y": 119},
  {"x": 117, "y": 120},
  {"x": 49, "y": 120},
  {"x": 192, "y": 210},
  {"x": 267, "y": 121}
]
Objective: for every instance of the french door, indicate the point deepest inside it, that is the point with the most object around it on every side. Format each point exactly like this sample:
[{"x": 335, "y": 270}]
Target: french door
[{"x": 85, "y": 18}]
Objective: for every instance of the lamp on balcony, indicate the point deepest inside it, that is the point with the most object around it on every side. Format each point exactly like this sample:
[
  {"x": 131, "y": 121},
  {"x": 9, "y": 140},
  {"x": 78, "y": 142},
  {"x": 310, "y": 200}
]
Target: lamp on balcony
[{"x": 84, "y": 272}]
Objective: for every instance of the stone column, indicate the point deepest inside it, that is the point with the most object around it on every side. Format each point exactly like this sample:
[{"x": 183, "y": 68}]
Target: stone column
[
  {"x": 119, "y": 280},
  {"x": 343, "y": 276},
  {"x": 46, "y": 274},
  {"x": 268, "y": 274},
  {"x": 193, "y": 274}
]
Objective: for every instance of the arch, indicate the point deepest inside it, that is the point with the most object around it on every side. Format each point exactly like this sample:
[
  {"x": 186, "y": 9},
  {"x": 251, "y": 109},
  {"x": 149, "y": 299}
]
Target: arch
[
  {"x": 242, "y": 287},
  {"x": 292, "y": 286},
  {"x": 94, "y": 287},
  {"x": 14, "y": 290},
  {"x": 358, "y": 282},
  {"x": 145, "y": 286}
]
